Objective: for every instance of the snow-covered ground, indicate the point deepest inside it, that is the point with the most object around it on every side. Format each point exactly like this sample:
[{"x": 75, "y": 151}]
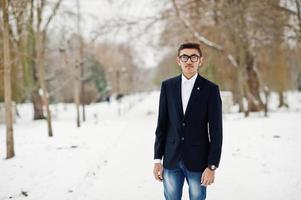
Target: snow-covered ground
[{"x": 110, "y": 157}]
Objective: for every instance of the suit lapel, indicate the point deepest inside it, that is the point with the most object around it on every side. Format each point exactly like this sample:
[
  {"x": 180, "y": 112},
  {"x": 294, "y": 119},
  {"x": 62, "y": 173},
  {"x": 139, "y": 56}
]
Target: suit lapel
[{"x": 196, "y": 90}]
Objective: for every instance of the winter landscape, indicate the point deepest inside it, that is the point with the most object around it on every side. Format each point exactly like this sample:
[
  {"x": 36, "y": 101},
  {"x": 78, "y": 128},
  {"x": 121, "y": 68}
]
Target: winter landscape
[
  {"x": 79, "y": 95},
  {"x": 260, "y": 159}
]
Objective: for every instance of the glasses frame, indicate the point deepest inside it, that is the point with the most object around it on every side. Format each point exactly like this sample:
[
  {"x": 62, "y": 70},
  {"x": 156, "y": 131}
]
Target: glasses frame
[{"x": 181, "y": 57}]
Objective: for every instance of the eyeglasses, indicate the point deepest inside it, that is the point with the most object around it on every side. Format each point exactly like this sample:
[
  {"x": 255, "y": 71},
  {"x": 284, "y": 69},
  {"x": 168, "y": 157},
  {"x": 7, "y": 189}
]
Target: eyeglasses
[{"x": 185, "y": 58}]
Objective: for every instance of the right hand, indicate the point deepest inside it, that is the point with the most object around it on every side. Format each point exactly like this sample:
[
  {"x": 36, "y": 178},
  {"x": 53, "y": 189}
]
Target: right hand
[{"x": 158, "y": 171}]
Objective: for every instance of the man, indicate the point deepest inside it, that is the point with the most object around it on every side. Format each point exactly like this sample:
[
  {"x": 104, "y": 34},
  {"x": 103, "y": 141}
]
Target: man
[{"x": 189, "y": 129}]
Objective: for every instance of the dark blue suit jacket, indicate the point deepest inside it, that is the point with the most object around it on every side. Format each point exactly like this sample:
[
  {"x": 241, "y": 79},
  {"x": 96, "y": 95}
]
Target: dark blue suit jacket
[{"x": 196, "y": 136}]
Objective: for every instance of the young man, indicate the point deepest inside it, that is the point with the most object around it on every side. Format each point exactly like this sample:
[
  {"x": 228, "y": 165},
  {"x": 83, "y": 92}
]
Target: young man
[{"x": 189, "y": 129}]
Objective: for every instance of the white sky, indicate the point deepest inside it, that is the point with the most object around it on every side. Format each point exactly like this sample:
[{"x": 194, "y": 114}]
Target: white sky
[{"x": 96, "y": 12}]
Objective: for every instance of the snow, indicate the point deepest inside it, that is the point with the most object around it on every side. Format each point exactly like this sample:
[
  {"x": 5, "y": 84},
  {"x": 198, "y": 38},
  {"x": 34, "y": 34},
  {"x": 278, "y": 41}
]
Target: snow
[{"x": 110, "y": 156}]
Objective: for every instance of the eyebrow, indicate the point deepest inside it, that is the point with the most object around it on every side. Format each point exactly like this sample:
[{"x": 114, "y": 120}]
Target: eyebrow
[{"x": 190, "y": 55}]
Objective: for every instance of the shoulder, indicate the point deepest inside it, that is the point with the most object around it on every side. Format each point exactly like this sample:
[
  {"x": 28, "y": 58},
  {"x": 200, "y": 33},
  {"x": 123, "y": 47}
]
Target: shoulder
[
  {"x": 209, "y": 84},
  {"x": 171, "y": 81},
  {"x": 212, "y": 89}
]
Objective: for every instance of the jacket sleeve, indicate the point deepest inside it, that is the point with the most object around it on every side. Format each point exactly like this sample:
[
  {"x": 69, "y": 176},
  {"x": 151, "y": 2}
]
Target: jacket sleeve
[
  {"x": 161, "y": 125},
  {"x": 215, "y": 126}
]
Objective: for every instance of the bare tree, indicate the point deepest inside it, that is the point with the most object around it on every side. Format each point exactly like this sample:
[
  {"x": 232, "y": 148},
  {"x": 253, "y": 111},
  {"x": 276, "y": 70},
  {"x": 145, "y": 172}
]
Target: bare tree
[
  {"x": 24, "y": 45},
  {"x": 247, "y": 75},
  {"x": 40, "y": 64},
  {"x": 40, "y": 49},
  {"x": 7, "y": 82},
  {"x": 76, "y": 76},
  {"x": 235, "y": 30},
  {"x": 80, "y": 87}
]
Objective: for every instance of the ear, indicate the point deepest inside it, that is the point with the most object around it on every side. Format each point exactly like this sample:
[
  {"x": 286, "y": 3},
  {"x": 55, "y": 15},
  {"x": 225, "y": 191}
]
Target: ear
[
  {"x": 178, "y": 61},
  {"x": 201, "y": 61}
]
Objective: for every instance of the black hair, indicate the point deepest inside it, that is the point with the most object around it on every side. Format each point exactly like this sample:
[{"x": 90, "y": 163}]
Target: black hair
[{"x": 190, "y": 45}]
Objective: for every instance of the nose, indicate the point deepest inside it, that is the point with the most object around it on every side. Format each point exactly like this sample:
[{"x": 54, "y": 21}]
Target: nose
[{"x": 189, "y": 61}]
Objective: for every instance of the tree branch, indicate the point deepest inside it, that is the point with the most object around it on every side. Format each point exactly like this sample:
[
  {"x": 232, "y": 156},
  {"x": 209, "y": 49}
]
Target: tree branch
[
  {"x": 201, "y": 38},
  {"x": 299, "y": 15},
  {"x": 55, "y": 9}
]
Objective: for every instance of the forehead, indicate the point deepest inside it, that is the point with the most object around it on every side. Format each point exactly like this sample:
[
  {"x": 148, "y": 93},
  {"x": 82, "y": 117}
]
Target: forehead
[{"x": 189, "y": 52}]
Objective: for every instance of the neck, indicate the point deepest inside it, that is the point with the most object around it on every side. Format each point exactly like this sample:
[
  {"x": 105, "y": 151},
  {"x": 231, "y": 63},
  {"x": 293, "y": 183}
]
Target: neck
[{"x": 189, "y": 76}]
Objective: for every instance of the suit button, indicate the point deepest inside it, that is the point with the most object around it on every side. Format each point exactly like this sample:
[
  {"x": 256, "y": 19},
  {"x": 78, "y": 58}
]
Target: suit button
[
  {"x": 182, "y": 138},
  {"x": 183, "y": 124}
]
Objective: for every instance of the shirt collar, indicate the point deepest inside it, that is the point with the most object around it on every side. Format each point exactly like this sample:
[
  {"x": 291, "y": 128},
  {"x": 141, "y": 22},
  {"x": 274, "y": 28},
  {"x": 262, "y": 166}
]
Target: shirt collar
[{"x": 191, "y": 80}]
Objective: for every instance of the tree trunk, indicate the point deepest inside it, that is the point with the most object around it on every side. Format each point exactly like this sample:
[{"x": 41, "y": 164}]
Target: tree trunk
[
  {"x": 241, "y": 105},
  {"x": 33, "y": 72},
  {"x": 298, "y": 6},
  {"x": 83, "y": 92},
  {"x": 7, "y": 84},
  {"x": 240, "y": 89},
  {"x": 42, "y": 81},
  {"x": 40, "y": 44},
  {"x": 282, "y": 102},
  {"x": 255, "y": 103},
  {"x": 266, "y": 105},
  {"x": 37, "y": 105},
  {"x": 80, "y": 83},
  {"x": 77, "y": 91}
]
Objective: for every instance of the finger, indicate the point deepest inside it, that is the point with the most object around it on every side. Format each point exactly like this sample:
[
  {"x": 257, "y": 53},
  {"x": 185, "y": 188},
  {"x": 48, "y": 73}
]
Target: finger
[
  {"x": 159, "y": 178},
  {"x": 212, "y": 180},
  {"x": 161, "y": 174},
  {"x": 156, "y": 175},
  {"x": 207, "y": 182},
  {"x": 202, "y": 178}
]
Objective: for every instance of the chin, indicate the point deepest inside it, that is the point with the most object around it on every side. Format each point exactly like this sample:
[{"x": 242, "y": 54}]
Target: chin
[{"x": 190, "y": 71}]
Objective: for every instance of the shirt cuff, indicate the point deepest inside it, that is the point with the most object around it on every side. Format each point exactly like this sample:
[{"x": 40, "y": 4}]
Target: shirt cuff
[{"x": 157, "y": 160}]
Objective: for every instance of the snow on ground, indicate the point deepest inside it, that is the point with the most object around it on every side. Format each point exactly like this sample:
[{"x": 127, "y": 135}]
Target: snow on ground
[{"x": 110, "y": 156}]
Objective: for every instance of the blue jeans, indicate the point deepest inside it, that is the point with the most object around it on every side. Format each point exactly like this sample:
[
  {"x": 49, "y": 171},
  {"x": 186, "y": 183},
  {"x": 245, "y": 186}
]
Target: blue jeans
[{"x": 173, "y": 180}]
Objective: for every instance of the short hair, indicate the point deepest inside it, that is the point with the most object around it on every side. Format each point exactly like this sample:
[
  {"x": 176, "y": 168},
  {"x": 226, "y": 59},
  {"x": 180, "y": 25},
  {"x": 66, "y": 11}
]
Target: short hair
[{"x": 190, "y": 45}]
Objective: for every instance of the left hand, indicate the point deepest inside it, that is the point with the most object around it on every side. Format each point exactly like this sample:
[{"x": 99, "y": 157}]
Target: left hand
[{"x": 207, "y": 177}]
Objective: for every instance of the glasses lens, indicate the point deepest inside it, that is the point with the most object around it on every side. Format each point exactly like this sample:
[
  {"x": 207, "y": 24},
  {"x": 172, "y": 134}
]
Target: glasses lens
[
  {"x": 184, "y": 58},
  {"x": 194, "y": 58}
]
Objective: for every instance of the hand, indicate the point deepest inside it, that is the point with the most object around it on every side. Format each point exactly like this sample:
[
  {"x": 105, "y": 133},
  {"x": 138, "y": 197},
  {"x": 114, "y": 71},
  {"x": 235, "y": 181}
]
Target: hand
[
  {"x": 158, "y": 171},
  {"x": 207, "y": 177}
]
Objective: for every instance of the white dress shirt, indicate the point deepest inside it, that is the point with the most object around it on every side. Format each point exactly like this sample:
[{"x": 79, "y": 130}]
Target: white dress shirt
[
  {"x": 186, "y": 89},
  {"x": 187, "y": 85}
]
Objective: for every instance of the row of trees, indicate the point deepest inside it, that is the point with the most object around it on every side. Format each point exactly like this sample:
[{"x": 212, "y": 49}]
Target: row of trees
[
  {"x": 44, "y": 66},
  {"x": 250, "y": 46}
]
